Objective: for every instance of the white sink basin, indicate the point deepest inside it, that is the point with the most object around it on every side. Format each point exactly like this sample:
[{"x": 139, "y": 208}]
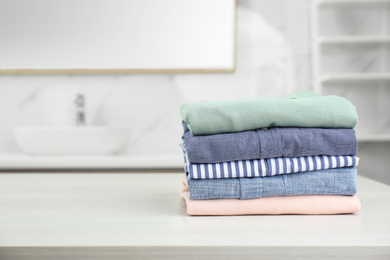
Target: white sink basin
[{"x": 71, "y": 140}]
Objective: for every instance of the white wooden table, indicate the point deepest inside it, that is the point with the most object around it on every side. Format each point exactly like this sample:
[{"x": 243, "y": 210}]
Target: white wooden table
[{"x": 141, "y": 216}]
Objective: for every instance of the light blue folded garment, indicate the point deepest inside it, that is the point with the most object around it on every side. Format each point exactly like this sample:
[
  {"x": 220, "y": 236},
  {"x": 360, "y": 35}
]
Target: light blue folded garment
[{"x": 339, "y": 181}]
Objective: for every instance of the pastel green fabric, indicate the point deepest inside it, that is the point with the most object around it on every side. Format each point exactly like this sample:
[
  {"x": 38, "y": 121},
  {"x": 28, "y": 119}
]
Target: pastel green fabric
[{"x": 304, "y": 109}]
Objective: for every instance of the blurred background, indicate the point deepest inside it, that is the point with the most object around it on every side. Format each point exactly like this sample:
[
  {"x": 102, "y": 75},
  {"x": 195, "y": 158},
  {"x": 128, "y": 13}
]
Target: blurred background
[{"x": 131, "y": 121}]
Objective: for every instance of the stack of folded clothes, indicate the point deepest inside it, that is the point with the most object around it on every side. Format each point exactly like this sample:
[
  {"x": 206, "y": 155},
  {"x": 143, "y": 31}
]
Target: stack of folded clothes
[{"x": 289, "y": 155}]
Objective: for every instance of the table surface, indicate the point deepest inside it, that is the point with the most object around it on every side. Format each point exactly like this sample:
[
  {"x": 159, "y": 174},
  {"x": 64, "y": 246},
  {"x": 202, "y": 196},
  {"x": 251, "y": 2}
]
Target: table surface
[{"x": 144, "y": 212}]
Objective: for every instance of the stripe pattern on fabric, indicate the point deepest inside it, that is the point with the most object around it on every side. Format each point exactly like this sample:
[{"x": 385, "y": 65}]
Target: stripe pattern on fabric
[{"x": 265, "y": 167}]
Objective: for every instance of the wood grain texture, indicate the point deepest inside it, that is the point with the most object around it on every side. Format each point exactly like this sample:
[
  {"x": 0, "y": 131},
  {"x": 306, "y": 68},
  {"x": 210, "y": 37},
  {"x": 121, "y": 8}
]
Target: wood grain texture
[{"x": 141, "y": 216}]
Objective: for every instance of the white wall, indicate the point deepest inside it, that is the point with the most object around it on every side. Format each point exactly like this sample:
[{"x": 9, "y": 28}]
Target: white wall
[
  {"x": 273, "y": 59},
  {"x": 148, "y": 103}
]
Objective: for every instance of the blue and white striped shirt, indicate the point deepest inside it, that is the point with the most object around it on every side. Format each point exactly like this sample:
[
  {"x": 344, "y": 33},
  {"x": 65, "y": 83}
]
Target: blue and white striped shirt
[{"x": 265, "y": 167}]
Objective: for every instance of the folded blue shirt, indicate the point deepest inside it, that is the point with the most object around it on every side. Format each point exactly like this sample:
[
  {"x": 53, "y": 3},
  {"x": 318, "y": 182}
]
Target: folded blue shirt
[
  {"x": 265, "y": 167},
  {"x": 339, "y": 181},
  {"x": 269, "y": 143}
]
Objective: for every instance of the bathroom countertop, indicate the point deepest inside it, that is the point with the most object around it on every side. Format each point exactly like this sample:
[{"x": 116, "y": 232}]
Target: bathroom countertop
[
  {"x": 19, "y": 161},
  {"x": 141, "y": 216}
]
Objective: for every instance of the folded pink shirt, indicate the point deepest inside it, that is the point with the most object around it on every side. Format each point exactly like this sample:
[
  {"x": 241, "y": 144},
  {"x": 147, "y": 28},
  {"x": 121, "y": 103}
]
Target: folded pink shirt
[{"x": 305, "y": 204}]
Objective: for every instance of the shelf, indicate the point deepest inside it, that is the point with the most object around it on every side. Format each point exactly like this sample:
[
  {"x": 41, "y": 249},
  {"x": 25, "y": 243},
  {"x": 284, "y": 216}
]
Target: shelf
[
  {"x": 373, "y": 138},
  {"x": 319, "y": 2},
  {"x": 354, "y": 77},
  {"x": 319, "y": 42},
  {"x": 21, "y": 161},
  {"x": 353, "y": 39}
]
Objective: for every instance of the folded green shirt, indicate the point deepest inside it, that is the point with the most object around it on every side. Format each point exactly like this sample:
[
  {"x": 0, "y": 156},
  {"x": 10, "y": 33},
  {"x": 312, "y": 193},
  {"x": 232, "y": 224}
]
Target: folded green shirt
[{"x": 304, "y": 109}]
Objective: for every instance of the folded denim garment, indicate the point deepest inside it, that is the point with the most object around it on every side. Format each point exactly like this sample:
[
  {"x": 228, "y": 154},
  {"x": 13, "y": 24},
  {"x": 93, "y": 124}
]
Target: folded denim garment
[
  {"x": 265, "y": 167},
  {"x": 269, "y": 143},
  {"x": 298, "y": 110},
  {"x": 339, "y": 181},
  {"x": 305, "y": 204}
]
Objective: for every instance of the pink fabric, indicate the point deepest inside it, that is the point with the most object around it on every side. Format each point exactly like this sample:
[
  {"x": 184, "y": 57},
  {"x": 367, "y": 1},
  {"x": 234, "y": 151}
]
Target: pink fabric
[{"x": 308, "y": 205}]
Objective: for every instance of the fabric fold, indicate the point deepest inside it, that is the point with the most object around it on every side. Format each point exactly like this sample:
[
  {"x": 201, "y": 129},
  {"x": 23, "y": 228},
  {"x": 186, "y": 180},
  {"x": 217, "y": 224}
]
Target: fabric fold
[
  {"x": 339, "y": 181},
  {"x": 269, "y": 143},
  {"x": 265, "y": 167},
  {"x": 299, "y": 110},
  {"x": 306, "y": 204}
]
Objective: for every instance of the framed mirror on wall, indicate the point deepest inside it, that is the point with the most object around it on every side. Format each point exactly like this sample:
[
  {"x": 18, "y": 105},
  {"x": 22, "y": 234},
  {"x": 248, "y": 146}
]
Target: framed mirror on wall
[{"x": 117, "y": 36}]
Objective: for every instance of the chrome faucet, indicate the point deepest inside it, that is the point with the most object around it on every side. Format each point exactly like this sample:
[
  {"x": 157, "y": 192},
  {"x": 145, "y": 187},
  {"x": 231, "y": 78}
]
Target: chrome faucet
[{"x": 80, "y": 117}]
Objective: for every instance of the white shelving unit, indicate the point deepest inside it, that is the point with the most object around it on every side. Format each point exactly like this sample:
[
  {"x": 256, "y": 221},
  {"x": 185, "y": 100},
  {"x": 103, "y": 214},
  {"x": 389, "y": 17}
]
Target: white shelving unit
[
  {"x": 350, "y": 1},
  {"x": 353, "y": 39},
  {"x": 374, "y": 138},
  {"x": 319, "y": 41},
  {"x": 352, "y": 77}
]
